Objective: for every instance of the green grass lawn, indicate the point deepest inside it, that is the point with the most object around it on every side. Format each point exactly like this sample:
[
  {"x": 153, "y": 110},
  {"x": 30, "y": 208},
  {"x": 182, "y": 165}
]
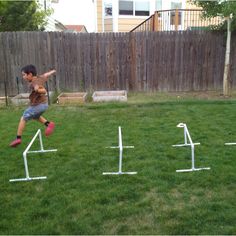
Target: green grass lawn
[{"x": 77, "y": 199}]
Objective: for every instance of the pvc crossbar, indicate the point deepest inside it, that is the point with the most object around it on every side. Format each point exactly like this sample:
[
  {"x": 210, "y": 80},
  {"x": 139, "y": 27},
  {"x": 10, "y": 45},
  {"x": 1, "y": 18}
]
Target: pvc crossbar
[
  {"x": 120, "y": 147},
  {"x": 230, "y": 143},
  {"x": 187, "y": 138},
  {"x": 42, "y": 150}
]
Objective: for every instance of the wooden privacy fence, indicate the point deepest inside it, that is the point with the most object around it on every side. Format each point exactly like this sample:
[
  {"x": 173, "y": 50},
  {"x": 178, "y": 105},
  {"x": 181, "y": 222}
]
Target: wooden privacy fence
[{"x": 142, "y": 61}]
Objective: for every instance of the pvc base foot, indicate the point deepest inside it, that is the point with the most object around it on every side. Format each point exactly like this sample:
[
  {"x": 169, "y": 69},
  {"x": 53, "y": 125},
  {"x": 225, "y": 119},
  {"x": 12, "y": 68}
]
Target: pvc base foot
[
  {"x": 119, "y": 173},
  {"x": 194, "y": 169},
  {"x": 28, "y": 179},
  {"x": 43, "y": 151}
]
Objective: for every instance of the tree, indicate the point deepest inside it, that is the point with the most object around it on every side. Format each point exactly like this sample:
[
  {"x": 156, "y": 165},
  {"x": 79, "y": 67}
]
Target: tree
[
  {"x": 22, "y": 16},
  {"x": 226, "y": 9}
]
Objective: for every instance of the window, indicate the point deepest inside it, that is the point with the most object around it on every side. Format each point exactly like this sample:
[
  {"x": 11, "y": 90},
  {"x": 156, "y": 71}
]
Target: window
[
  {"x": 158, "y": 5},
  {"x": 134, "y": 7},
  {"x": 175, "y": 5},
  {"x": 142, "y": 8},
  {"x": 126, "y": 7},
  {"x": 107, "y": 8}
]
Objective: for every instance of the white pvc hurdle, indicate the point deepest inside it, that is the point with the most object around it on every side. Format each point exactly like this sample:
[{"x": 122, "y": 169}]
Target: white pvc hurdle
[
  {"x": 187, "y": 138},
  {"x": 120, "y": 147},
  {"x": 42, "y": 150}
]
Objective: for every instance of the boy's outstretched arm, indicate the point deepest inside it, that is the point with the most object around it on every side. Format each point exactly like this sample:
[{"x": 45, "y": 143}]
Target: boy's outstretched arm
[{"x": 49, "y": 73}]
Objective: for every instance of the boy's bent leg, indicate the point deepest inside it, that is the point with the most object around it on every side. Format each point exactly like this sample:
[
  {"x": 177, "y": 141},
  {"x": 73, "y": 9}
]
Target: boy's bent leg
[
  {"x": 42, "y": 120},
  {"x": 21, "y": 127}
]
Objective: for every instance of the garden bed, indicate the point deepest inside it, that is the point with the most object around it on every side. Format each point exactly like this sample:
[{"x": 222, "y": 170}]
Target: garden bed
[
  {"x": 2, "y": 100},
  {"x": 72, "y": 98},
  {"x": 108, "y": 96},
  {"x": 23, "y": 98}
]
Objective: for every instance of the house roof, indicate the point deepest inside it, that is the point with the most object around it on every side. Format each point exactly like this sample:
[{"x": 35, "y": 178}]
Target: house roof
[{"x": 77, "y": 28}]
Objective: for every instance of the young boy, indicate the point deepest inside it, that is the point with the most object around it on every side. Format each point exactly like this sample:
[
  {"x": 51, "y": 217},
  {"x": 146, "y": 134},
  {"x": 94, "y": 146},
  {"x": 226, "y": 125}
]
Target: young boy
[{"x": 38, "y": 102}]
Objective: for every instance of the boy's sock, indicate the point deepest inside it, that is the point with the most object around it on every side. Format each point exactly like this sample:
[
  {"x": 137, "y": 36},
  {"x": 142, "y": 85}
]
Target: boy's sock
[
  {"x": 18, "y": 137},
  {"x": 46, "y": 123}
]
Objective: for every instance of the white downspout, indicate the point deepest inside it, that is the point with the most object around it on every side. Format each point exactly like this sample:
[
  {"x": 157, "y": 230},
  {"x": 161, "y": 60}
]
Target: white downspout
[
  {"x": 115, "y": 15},
  {"x": 95, "y": 16},
  {"x": 152, "y": 5},
  {"x": 103, "y": 14}
]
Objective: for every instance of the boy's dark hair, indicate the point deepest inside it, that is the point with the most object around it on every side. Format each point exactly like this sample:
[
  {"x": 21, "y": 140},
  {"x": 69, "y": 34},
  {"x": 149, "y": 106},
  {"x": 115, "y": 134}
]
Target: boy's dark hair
[{"x": 29, "y": 69}]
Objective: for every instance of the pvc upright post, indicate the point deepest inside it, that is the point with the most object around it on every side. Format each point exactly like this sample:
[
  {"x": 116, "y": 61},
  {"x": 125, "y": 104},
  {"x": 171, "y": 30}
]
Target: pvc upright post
[
  {"x": 121, "y": 147},
  {"x": 26, "y": 166},
  {"x": 120, "y": 151}
]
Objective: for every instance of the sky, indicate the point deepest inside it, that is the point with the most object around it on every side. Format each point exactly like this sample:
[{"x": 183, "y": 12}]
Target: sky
[{"x": 75, "y": 12}]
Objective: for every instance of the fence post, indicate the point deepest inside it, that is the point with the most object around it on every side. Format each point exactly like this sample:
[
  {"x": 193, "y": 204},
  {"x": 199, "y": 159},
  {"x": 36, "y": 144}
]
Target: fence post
[
  {"x": 56, "y": 85},
  {"x": 152, "y": 23},
  {"x": 155, "y": 21},
  {"x": 47, "y": 88},
  {"x": 17, "y": 83},
  {"x": 176, "y": 19},
  {"x": 6, "y": 94}
]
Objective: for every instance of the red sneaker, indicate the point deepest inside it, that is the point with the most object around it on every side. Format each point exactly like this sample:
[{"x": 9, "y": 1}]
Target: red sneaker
[
  {"x": 15, "y": 143},
  {"x": 50, "y": 128}
]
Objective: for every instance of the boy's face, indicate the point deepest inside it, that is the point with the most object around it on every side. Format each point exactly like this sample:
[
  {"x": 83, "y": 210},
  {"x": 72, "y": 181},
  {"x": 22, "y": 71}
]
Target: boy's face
[{"x": 27, "y": 77}]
